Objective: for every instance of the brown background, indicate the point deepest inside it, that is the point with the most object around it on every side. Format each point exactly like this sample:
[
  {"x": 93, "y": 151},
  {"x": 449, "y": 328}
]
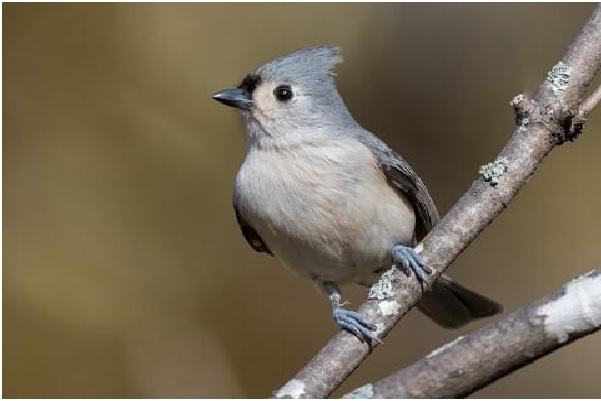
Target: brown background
[{"x": 124, "y": 271}]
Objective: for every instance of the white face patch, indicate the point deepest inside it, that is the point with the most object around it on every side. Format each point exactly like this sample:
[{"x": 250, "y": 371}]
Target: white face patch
[{"x": 266, "y": 106}]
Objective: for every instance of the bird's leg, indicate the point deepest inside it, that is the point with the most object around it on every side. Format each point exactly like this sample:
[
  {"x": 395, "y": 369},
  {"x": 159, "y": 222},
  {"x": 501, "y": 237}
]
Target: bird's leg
[
  {"x": 350, "y": 321},
  {"x": 410, "y": 260}
]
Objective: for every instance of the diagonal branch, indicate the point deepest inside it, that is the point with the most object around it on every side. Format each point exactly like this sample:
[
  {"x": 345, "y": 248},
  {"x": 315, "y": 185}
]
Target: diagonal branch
[
  {"x": 542, "y": 123},
  {"x": 473, "y": 361}
]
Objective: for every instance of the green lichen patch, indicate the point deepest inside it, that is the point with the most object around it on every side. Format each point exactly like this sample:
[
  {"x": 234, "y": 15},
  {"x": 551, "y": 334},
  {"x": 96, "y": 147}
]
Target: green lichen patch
[
  {"x": 559, "y": 77},
  {"x": 493, "y": 171}
]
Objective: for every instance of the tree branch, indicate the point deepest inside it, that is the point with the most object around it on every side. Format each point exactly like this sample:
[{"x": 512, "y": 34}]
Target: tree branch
[
  {"x": 473, "y": 361},
  {"x": 590, "y": 103},
  {"x": 541, "y": 124}
]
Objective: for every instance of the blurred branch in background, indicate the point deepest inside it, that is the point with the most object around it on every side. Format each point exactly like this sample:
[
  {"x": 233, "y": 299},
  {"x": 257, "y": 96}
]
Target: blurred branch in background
[
  {"x": 473, "y": 361},
  {"x": 542, "y": 123}
]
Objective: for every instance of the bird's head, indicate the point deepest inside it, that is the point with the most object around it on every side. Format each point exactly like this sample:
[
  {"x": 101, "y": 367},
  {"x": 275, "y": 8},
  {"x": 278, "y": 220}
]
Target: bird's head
[{"x": 291, "y": 94}]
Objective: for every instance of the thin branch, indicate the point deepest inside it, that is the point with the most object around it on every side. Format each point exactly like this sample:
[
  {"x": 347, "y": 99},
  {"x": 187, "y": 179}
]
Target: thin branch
[
  {"x": 543, "y": 122},
  {"x": 590, "y": 103},
  {"x": 473, "y": 361}
]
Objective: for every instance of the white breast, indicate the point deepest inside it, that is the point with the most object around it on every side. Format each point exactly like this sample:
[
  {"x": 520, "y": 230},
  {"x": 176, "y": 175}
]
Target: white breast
[{"x": 327, "y": 212}]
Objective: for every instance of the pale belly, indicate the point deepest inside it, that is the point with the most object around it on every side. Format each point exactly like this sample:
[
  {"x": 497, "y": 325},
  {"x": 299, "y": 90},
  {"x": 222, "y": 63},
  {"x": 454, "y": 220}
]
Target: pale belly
[{"x": 329, "y": 219}]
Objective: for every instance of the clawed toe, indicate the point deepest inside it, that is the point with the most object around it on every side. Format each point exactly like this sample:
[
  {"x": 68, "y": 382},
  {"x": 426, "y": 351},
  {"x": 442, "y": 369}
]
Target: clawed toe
[
  {"x": 354, "y": 323},
  {"x": 348, "y": 320},
  {"x": 410, "y": 261}
]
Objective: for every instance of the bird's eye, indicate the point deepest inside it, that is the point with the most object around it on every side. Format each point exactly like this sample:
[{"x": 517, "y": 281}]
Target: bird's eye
[{"x": 283, "y": 93}]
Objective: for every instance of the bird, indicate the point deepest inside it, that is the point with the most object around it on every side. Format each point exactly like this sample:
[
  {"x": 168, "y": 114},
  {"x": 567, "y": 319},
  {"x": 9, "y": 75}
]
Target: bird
[{"x": 330, "y": 199}]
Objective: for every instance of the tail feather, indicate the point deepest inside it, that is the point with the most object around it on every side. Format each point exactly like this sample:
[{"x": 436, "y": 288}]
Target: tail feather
[{"x": 452, "y": 305}]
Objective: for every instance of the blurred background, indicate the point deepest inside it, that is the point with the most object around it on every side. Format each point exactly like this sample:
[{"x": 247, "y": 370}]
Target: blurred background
[{"x": 125, "y": 274}]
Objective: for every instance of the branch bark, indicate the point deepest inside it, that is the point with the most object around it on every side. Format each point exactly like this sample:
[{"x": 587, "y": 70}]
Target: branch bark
[
  {"x": 590, "y": 103},
  {"x": 473, "y": 361},
  {"x": 543, "y": 122}
]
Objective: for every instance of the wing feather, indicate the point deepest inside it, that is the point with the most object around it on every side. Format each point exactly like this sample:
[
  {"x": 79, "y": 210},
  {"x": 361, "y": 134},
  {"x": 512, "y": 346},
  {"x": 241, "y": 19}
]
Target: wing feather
[
  {"x": 249, "y": 233},
  {"x": 406, "y": 181}
]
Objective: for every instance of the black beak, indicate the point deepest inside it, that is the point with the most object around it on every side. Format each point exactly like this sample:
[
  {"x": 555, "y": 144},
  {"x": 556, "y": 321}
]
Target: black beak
[{"x": 238, "y": 98}]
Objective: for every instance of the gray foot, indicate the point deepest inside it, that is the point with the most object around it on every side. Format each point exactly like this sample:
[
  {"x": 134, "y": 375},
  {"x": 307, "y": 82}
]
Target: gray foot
[
  {"x": 354, "y": 323},
  {"x": 348, "y": 320},
  {"x": 411, "y": 261}
]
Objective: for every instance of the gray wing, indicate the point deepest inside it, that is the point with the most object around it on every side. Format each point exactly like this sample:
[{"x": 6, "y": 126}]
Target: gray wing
[
  {"x": 249, "y": 233},
  {"x": 402, "y": 177}
]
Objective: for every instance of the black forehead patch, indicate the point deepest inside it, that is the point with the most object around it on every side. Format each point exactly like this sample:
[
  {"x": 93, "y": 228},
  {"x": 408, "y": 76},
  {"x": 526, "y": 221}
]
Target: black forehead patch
[{"x": 250, "y": 82}]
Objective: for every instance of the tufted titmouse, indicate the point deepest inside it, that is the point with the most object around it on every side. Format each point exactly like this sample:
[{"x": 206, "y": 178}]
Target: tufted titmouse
[{"x": 327, "y": 197}]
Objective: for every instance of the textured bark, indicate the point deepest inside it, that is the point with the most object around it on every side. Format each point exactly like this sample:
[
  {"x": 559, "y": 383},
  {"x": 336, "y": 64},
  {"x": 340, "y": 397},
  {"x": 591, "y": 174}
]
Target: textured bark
[{"x": 473, "y": 361}]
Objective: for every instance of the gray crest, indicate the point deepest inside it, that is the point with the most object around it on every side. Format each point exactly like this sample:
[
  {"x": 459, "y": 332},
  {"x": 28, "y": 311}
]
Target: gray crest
[{"x": 310, "y": 67}]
